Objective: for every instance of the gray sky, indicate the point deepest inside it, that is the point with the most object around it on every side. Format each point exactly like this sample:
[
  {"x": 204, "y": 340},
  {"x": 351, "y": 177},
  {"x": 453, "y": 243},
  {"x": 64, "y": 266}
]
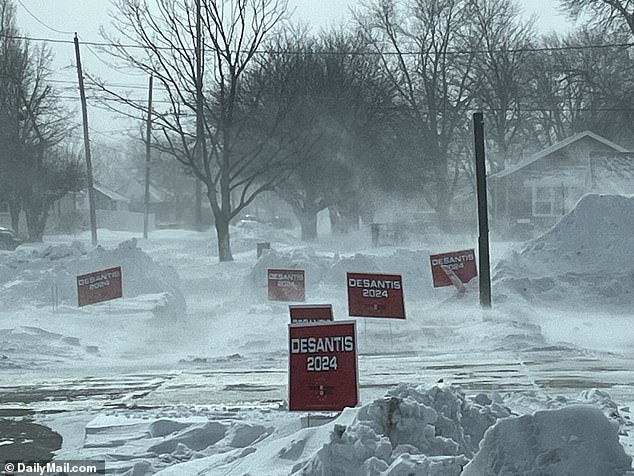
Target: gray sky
[{"x": 58, "y": 19}]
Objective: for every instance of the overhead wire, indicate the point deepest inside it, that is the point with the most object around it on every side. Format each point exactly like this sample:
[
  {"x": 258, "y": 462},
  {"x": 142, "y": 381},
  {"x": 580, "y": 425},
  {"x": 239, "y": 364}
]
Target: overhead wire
[
  {"x": 345, "y": 53},
  {"x": 62, "y": 32},
  {"x": 90, "y": 44}
]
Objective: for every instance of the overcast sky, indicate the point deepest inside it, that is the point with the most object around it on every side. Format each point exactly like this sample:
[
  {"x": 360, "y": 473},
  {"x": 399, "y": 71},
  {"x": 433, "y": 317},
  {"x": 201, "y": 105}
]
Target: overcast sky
[{"x": 58, "y": 19}]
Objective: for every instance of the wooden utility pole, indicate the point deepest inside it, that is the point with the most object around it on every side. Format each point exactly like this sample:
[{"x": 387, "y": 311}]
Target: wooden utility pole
[
  {"x": 84, "y": 113},
  {"x": 200, "y": 130},
  {"x": 483, "y": 213},
  {"x": 148, "y": 135}
]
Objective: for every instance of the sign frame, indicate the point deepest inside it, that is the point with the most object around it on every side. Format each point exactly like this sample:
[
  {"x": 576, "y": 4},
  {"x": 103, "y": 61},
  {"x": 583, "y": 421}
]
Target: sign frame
[
  {"x": 308, "y": 309},
  {"x": 335, "y": 406},
  {"x": 465, "y": 274},
  {"x": 359, "y": 304},
  {"x": 112, "y": 290},
  {"x": 277, "y": 293}
]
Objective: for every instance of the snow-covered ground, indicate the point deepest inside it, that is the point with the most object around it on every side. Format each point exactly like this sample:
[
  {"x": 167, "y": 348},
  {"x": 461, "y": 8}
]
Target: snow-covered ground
[{"x": 187, "y": 373}]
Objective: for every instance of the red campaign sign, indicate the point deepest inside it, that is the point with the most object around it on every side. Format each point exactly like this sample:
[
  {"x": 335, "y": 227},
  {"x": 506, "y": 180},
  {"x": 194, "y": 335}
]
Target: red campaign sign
[
  {"x": 311, "y": 313},
  {"x": 375, "y": 295},
  {"x": 286, "y": 285},
  {"x": 323, "y": 372},
  {"x": 99, "y": 286},
  {"x": 462, "y": 263}
]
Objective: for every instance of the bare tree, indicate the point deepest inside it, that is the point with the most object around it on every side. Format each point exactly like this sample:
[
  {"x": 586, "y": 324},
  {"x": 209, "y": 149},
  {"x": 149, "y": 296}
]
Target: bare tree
[
  {"x": 330, "y": 91},
  {"x": 234, "y": 168},
  {"x": 605, "y": 12},
  {"x": 579, "y": 82},
  {"x": 607, "y": 72},
  {"x": 35, "y": 124},
  {"x": 502, "y": 73},
  {"x": 417, "y": 41}
]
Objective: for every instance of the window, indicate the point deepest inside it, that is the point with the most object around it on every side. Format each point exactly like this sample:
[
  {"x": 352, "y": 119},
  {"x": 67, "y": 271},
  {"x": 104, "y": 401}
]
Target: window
[{"x": 548, "y": 201}]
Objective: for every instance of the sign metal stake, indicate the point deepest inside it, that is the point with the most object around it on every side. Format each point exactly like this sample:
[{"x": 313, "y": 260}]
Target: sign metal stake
[{"x": 455, "y": 280}]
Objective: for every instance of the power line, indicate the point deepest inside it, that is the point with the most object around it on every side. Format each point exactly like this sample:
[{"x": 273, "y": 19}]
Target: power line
[
  {"x": 42, "y": 23},
  {"x": 112, "y": 66},
  {"x": 107, "y": 99},
  {"x": 108, "y": 85},
  {"x": 343, "y": 53}
]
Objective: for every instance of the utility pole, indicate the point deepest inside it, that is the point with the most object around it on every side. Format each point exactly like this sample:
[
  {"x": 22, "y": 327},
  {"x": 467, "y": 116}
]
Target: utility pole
[
  {"x": 84, "y": 114},
  {"x": 483, "y": 212},
  {"x": 200, "y": 130},
  {"x": 148, "y": 135}
]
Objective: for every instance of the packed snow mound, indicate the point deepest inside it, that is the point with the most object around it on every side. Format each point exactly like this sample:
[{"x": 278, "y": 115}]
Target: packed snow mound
[
  {"x": 586, "y": 258},
  {"x": 28, "y": 277},
  {"x": 413, "y": 430},
  {"x": 426, "y": 432},
  {"x": 577, "y": 440},
  {"x": 246, "y": 234},
  {"x": 314, "y": 265}
]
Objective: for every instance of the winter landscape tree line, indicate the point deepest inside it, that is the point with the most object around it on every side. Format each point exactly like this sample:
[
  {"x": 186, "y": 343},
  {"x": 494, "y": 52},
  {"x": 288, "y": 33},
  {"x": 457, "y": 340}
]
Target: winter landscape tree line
[{"x": 256, "y": 103}]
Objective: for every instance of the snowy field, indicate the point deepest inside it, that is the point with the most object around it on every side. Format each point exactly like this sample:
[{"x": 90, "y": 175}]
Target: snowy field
[{"x": 187, "y": 373}]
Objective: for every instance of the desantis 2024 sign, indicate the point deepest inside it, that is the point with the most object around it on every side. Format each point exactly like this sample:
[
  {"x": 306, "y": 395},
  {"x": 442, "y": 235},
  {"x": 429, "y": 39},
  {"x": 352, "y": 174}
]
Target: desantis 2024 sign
[
  {"x": 286, "y": 285},
  {"x": 462, "y": 263},
  {"x": 322, "y": 366},
  {"x": 375, "y": 295},
  {"x": 99, "y": 286}
]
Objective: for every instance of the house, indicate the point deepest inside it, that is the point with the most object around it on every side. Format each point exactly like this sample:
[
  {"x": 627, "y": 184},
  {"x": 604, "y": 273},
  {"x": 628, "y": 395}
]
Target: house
[
  {"x": 533, "y": 194},
  {"x": 114, "y": 211},
  {"x": 105, "y": 199},
  {"x": 162, "y": 203}
]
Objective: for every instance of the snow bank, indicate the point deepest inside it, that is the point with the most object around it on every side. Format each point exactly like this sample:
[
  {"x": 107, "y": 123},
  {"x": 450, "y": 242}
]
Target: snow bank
[
  {"x": 246, "y": 234},
  {"x": 435, "y": 432},
  {"x": 577, "y": 440},
  {"x": 413, "y": 430},
  {"x": 584, "y": 260},
  {"x": 27, "y": 277}
]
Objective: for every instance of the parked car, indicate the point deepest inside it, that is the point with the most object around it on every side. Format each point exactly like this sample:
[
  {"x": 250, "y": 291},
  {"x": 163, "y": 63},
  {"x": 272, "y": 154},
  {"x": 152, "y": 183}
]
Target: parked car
[{"x": 9, "y": 240}]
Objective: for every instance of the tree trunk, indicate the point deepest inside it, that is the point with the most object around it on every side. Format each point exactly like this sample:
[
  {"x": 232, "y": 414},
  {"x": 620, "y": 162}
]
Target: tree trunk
[
  {"x": 35, "y": 223},
  {"x": 344, "y": 218},
  {"x": 222, "y": 233},
  {"x": 336, "y": 220},
  {"x": 444, "y": 206},
  {"x": 308, "y": 221},
  {"x": 14, "y": 211}
]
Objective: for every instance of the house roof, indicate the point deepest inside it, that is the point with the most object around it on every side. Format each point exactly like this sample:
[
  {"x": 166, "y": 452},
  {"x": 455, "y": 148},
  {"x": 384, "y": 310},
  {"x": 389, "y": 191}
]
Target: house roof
[
  {"x": 554, "y": 148},
  {"x": 117, "y": 197},
  {"x": 135, "y": 189}
]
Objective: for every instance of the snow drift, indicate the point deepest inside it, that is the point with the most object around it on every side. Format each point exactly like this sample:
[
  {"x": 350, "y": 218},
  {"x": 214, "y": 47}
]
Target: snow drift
[
  {"x": 329, "y": 269},
  {"x": 27, "y": 277},
  {"x": 433, "y": 432},
  {"x": 586, "y": 259},
  {"x": 577, "y": 440}
]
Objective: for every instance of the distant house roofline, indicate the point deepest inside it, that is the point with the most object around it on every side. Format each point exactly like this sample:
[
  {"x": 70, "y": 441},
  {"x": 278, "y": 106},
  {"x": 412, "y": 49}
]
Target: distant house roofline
[
  {"x": 108, "y": 192},
  {"x": 554, "y": 148}
]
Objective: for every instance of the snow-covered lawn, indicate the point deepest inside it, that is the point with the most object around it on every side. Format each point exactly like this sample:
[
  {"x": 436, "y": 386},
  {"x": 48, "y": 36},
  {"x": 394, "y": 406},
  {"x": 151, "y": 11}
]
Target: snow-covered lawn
[{"x": 191, "y": 365}]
